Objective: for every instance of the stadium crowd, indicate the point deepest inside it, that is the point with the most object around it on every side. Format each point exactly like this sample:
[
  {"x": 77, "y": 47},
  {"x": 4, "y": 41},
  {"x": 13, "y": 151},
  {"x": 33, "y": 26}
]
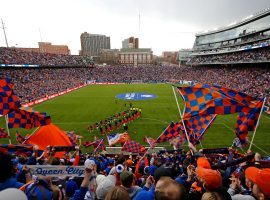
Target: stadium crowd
[
  {"x": 36, "y": 83},
  {"x": 173, "y": 175},
  {"x": 17, "y": 56},
  {"x": 208, "y": 174},
  {"x": 259, "y": 55},
  {"x": 32, "y": 84}
]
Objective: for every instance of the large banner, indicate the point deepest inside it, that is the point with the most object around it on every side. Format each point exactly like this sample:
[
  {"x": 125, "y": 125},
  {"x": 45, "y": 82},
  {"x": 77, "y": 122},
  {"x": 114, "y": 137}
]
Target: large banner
[{"x": 56, "y": 170}]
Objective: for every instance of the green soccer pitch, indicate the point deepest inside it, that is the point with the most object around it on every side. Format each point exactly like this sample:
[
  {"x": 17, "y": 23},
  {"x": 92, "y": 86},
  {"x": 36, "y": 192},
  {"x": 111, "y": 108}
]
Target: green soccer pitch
[{"x": 81, "y": 108}]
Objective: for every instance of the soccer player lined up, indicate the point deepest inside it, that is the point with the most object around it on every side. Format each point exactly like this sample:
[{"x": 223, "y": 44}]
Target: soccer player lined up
[
  {"x": 125, "y": 127},
  {"x": 90, "y": 128},
  {"x": 101, "y": 130}
]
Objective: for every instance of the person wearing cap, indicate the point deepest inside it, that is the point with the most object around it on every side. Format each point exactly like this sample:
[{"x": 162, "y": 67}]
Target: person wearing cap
[
  {"x": 11, "y": 194},
  {"x": 116, "y": 171},
  {"x": 105, "y": 186},
  {"x": 92, "y": 185},
  {"x": 261, "y": 182},
  {"x": 127, "y": 182},
  {"x": 211, "y": 181}
]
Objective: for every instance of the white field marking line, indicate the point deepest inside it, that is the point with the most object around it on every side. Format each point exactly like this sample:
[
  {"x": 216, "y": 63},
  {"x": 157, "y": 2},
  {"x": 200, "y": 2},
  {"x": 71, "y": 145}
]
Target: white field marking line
[
  {"x": 156, "y": 120},
  {"x": 253, "y": 143},
  {"x": 227, "y": 126},
  {"x": 261, "y": 149},
  {"x": 266, "y": 117}
]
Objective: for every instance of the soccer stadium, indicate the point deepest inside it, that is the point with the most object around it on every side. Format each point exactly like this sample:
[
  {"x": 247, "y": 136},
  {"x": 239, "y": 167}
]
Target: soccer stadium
[{"x": 121, "y": 124}]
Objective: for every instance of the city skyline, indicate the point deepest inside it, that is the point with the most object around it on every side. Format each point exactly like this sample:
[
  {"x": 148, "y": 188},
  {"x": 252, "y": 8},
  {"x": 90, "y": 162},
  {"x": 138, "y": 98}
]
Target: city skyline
[{"x": 160, "y": 25}]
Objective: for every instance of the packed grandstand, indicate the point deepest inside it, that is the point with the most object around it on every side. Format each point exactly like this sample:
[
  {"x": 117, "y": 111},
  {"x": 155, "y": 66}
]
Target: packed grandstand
[{"x": 221, "y": 173}]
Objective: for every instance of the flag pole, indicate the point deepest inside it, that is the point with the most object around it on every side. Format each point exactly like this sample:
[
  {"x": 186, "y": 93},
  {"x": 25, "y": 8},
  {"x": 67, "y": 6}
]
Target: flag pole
[
  {"x": 31, "y": 135},
  {"x": 94, "y": 152},
  {"x": 9, "y": 138},
  {"x": 180, "y": 115},
  {"x": 257, "y": 124},
  {"x": 144, "y": 154}
]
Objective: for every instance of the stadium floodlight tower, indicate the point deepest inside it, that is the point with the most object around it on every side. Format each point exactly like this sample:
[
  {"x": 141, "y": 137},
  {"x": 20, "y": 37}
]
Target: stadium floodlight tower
[{"x": 3, "y": 27}]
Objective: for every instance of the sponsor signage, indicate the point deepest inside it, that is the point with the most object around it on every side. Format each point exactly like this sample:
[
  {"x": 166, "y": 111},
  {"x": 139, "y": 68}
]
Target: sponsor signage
[{"x": 136, "y": 96}]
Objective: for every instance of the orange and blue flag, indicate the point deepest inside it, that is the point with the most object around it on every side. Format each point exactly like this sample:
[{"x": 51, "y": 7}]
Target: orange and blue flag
[
  {"x": 8, "y": 100},
  {"x": 202, "y": 99},
  {"x": 196, "y": 126},
  {"x": 171, "y": 131},
  {"x": 25, "y": 150},
  {"x": 20, "y": 139},
  {"x": 6, "y": 87},
  {"x": 28, "y": 120},
  {"x": 247, "y": 121},
  {"x": 73, "y": 137},
  {"x": 233, "y": 94},
  {"x": 133, "y": 147},
  {"x": 94, "y": 143}
]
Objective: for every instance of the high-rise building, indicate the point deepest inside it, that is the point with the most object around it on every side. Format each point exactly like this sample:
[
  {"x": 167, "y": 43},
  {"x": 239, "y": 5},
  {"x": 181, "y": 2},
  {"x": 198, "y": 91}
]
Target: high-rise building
[
  {"x": 91, "y": 44},
  {"x": 130, "y": 43}
]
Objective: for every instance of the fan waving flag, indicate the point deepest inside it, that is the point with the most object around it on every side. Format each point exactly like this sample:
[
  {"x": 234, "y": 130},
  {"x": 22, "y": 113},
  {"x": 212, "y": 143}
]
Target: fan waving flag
[
  {"x": 73, "y": 137},
  {"x": 118, "y": 138},
  {"x": 8, "y": 103},
  {"x": 94, "y": 143},
  {"x": 101, "y": 147},
  {"x": 196, "y": 126},
  {"x": 204, "y": 100},
  {"x": 233, "y": 94},
  {"x": 8, "y": 100},
  {"x": 150, "y": 141},
  {"x": 20, "y": 139},
  {"x": 171, "y": 131},
  {"x": 247, "y": 121},
  {"x": 133, "y": 147},
  {"x": 6, "y": 87},
  {"x": 28, "y": 120}
]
